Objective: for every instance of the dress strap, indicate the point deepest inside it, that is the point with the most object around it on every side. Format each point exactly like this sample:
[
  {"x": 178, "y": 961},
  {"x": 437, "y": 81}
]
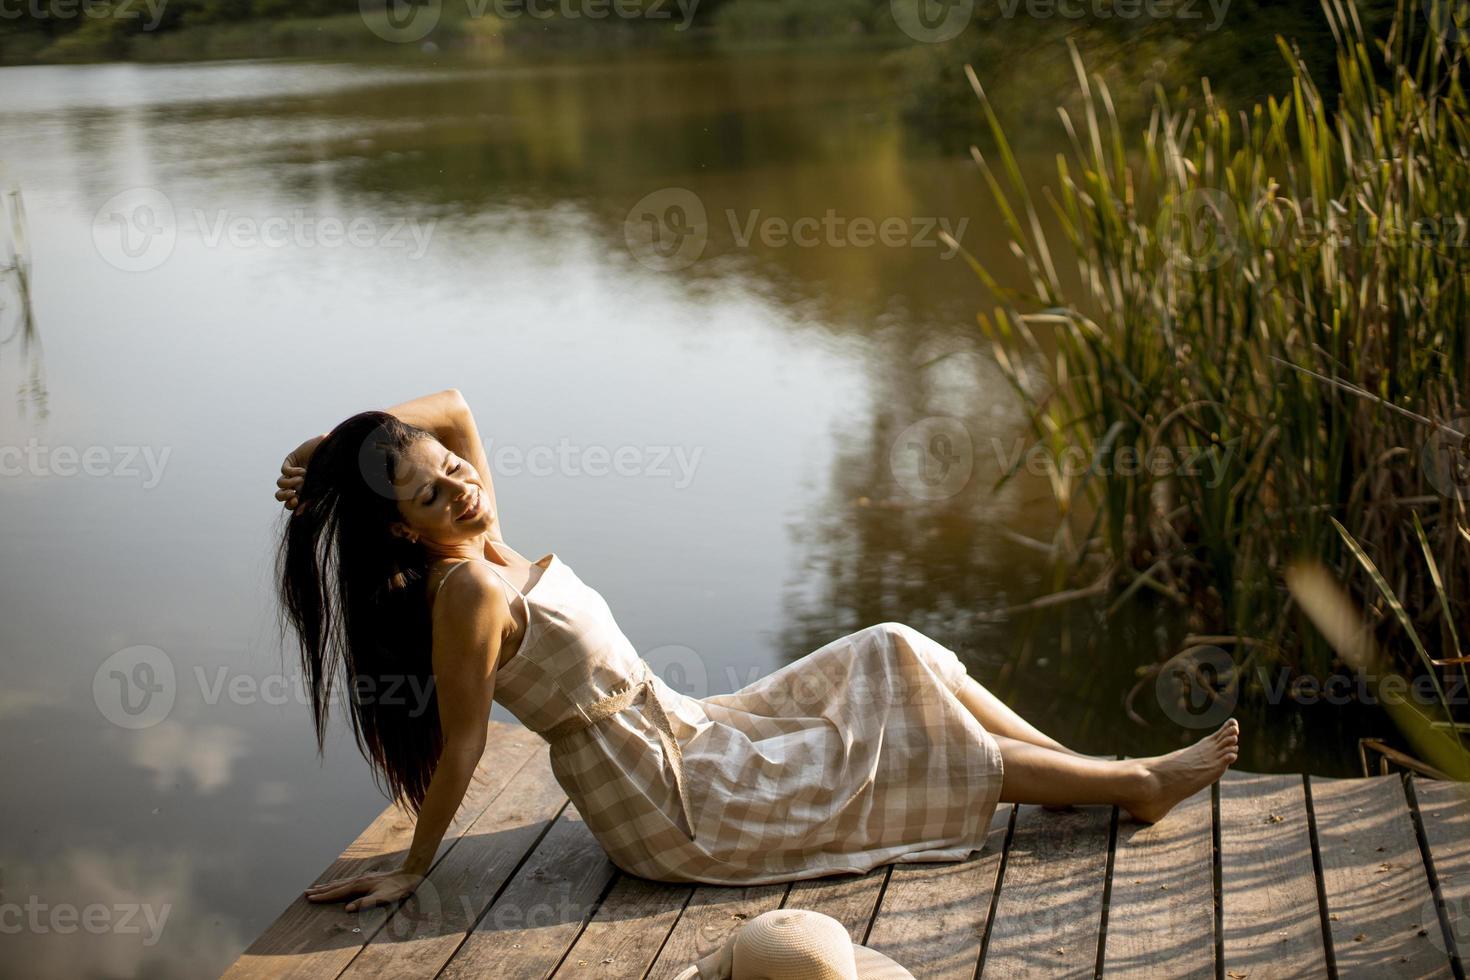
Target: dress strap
[
  {"x": 507, "y": 581},
  {"x": 445, "y": 577},
  {"x": 498, "y": 574}
]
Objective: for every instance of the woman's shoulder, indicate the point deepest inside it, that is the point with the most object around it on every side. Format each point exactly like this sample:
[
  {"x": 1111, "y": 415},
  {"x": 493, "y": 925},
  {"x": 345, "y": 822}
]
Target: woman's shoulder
[{"x": 466, "y": 584}]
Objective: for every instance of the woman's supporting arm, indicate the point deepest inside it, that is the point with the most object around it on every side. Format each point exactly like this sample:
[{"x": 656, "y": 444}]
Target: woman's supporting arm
[
  {"x": 471, "y": 620},
  {"x": 447, "y": 415}
]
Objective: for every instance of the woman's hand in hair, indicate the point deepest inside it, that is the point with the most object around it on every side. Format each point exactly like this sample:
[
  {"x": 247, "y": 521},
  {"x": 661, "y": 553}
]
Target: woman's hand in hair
[
  {"x": 293, "y": 472},
  {"x": 377, "y": 888}
]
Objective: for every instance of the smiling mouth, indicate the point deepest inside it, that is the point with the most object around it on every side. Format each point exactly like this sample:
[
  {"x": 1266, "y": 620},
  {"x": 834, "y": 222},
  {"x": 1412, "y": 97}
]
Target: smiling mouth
[{"x": 473, "y": 510}]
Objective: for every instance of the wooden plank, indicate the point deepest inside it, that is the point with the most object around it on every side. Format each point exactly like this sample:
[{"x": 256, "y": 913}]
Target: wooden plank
[
  {"x": 1049, "y": 916},
  {"x": 1379, "y": 906},
  {"x": 713, "y": 913},
  {"x": 933, "y": 916},
  {"x": 627, "y": 931},
  {"x": 851, "y": 899},
  {"x": 419, "y": 937},
  {"x": 311, "y": 940},
  {"x": 1444, "y": 809},
  {"x": 1272, "y": 923},
  {"x": 529, "y": 929},
  {"x": 1161, "y": 909}
]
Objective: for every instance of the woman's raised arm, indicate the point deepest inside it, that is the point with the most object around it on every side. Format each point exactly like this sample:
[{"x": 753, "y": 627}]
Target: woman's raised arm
[{"x": 447, "y": 415}]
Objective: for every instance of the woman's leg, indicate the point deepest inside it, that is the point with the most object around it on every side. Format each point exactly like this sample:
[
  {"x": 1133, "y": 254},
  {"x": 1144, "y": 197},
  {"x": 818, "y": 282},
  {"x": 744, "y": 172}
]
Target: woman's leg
[
  {"x": 1146, "y": 788},
  {"x": 998, "y": 719}
]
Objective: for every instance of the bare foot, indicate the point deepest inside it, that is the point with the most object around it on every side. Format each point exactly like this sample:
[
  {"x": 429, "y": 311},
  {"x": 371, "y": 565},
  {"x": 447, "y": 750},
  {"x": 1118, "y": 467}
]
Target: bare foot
[{"x": 1179, "y": 775}]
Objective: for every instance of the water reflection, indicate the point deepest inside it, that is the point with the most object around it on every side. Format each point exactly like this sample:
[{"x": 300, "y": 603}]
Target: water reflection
[
  {"x": 787, "y": 370},
  {"x": 17, "y": 314}
]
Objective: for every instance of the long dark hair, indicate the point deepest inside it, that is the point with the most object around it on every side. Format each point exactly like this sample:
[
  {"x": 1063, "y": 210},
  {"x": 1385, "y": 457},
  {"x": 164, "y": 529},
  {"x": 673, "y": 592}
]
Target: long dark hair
[{"x": 354, "y": 594}]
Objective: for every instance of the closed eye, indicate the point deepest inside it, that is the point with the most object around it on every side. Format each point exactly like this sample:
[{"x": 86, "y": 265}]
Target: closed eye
[{"x": 434, "y": 493}]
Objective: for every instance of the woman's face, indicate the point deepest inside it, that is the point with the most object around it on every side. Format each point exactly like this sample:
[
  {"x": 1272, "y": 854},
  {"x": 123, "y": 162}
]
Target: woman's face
[{"x": 440, "y": 496}]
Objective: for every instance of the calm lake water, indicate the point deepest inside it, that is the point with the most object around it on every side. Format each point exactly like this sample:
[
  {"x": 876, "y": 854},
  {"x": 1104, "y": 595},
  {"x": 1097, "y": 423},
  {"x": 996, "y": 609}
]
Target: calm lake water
[{"x": 712, "y": 428}]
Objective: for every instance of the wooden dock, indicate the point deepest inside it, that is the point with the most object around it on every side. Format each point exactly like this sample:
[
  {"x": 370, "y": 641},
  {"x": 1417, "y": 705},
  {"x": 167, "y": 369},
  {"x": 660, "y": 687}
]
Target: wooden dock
[{"x": 1259, "y": 876}]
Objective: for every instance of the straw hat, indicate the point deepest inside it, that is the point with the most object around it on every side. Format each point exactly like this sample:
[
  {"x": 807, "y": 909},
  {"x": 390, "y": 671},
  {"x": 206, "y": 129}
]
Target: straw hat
[{"x": 793, "y": 944}]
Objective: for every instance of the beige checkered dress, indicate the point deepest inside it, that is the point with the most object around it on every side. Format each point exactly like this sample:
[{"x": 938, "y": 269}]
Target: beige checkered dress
[{"x": 856, "y": 755}]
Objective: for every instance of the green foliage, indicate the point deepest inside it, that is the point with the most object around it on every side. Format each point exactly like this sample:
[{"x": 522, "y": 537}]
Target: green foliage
[{"x": 1281, "y": 295}]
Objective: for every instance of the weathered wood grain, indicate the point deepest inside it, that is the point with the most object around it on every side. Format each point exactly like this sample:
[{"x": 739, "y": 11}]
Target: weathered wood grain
[
  {"x": 522, "y": 889},
  {"x": 851, "y": 899},
  {"x": 1379, "y": 906},
  {"x": 311, "y": 940},
  {"x": 418, "y": 938},
  {"x": 1444, "y": 809},
  {"x": 1161, "y": 908},
  {"x": 1271, "y": 918},
  {"x": 933, "y": 917},
  {"x": 529, "y": 929},
  {"x": 627, "y": 931},
  {"x": 1049, "y": 916},
  {"x": 712, "y": 914}
]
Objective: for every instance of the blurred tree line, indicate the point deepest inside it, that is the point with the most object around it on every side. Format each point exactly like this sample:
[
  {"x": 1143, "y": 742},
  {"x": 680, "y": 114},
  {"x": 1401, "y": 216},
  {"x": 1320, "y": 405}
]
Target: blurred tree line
[{"x": 1016, "y": 46}]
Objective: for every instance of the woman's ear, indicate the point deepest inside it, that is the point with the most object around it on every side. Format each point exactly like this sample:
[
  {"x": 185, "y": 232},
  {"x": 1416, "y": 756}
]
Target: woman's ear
[{"x": 401, "y": 530}]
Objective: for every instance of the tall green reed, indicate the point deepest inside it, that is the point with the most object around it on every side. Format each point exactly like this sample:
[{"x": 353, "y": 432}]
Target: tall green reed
[{"x": 1274, "y": 299}]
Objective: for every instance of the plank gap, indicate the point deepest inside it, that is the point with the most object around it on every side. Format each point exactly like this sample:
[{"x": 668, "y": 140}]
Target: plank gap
[
  {"x": 1435, "y": 888},
  {"x": 1327, "y": 947},
  {"x": 1219, "y": 884},
  {"x": 1102, "y": 926},
  {"x": 882, "y": 890},
  {"x": 1000, "y": 878},
  {"x": 664, "y": 942},
  {"x": 612, "y": 882}
]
